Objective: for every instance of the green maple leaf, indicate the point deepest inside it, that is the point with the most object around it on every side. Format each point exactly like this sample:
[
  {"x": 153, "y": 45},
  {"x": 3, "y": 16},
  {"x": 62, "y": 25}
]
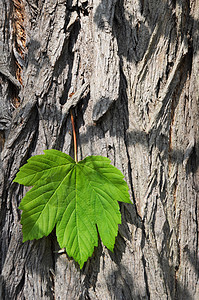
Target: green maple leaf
[{"x": 74, "y": 197}]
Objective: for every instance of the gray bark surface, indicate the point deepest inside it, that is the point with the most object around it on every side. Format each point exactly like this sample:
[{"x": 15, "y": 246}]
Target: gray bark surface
[{"x": 133, "y": 67}]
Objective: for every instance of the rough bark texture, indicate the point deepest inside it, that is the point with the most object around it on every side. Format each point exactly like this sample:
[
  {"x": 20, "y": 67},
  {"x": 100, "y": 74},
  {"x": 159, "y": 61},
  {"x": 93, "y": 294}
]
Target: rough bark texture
[{"x": 133, "y": 66}]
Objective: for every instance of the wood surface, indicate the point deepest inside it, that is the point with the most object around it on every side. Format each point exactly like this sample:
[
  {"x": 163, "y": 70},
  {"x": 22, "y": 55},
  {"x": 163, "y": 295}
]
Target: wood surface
[{"x": 133, "y": 67}]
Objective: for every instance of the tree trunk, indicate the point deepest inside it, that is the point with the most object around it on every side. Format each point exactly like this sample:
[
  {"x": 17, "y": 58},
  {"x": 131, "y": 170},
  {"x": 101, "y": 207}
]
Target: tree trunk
[{"x": 133, "y": 68}]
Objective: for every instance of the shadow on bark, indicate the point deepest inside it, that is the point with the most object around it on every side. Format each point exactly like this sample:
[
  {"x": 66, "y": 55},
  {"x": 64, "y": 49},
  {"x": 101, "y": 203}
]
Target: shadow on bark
[
  {"x": 133, "y": 47},
  {"x": 154, "y": 136},
  {"x": 176, "y": 289},
  {"x": 32, "y": 257},
  {"x": 121, "y": 285}
]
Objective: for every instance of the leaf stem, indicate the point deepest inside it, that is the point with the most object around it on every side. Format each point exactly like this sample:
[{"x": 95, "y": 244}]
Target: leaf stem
[{"x": 74, "y": 135}]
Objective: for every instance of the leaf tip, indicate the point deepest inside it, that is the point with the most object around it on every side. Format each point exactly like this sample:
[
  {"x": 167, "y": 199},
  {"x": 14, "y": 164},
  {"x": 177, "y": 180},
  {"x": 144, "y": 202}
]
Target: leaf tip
[
  {"x": 24, "y": 239},
  {"x": 81, "y": 265},
  {"x": 15, "y": 179}
]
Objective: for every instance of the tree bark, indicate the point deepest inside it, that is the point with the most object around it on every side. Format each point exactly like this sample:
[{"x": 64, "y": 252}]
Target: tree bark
[{"x": 133, "y": 68}]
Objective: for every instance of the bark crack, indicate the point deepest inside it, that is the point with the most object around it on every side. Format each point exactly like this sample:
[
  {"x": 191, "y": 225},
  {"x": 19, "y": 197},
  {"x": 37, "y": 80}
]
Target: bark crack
[{"x": 146, "y": 278}]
